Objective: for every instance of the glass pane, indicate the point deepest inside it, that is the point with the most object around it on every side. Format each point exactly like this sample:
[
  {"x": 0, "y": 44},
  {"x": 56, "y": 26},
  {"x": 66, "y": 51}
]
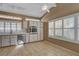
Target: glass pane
[
  {"x": 51, "y": 24},
  {"x": 69, "y": 22},
  {"x": 1, "y": 26},
  {"x": 58, "y": 32},
  {"x": 7, "y": 26},
  {"x": 51, "y": 32},
  {"x": 58, "y": 24},
  {"x": 18, "y": 26},
  {"x": 69, "y": 33}
]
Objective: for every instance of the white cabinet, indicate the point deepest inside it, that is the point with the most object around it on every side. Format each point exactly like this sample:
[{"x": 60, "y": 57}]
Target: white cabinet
[
  {"x": 33, "y": 37},
  {"x": 41, "y": 34},
  {"x": 5, "y": 41},
  {"x": 13, "y": 40},
  {"x": 27, "y": 38}
]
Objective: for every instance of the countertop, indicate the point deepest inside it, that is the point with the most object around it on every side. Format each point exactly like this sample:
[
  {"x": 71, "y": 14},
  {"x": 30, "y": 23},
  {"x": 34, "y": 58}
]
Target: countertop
[{"x": 13, "y": 33}]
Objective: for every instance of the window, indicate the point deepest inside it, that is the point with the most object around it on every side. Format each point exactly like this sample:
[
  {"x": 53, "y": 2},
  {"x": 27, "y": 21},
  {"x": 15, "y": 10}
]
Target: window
[
  {"x": 69, "y": 22},
  {"x": 1, "y": 26},
  {"x": 13, "y": 26},
  {"x": 51, "y": 28},
  {"x": 69, "y": 33},
  {"x": 7, "y": 26},
  {"x": 58, "y": 32},
  {"x": 69, "y": 28},
  {"x": 19, "y": 27},
  {"x": 58, "y": 24},
  {"x": 58, "y": 28}
]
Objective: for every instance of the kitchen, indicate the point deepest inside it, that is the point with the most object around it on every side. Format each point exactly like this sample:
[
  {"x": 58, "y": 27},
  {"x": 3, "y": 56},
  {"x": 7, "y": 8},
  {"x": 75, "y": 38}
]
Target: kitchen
[{"x": 15, "y": 31}]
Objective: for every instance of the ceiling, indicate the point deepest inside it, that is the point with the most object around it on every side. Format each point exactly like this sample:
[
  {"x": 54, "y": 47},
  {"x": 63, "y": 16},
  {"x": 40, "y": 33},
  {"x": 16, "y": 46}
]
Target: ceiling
[
  {"x": 61, "y": 10},
  {"x": 28, "y": 9}
]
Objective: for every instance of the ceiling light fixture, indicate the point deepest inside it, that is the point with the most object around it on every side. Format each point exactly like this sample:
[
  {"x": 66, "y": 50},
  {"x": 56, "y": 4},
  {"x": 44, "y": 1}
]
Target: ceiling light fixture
[{"x": 46, "y": 8}]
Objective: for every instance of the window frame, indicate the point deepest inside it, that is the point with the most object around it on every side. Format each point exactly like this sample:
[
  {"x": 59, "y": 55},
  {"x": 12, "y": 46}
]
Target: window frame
[{"x": 76, "y": 28}]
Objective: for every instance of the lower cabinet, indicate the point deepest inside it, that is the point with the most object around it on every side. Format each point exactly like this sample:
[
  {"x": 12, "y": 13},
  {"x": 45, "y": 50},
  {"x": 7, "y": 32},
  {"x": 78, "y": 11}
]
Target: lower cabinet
[
  {"x": 5, "y": 41},
  {"x": 8, "y": 41},
  {"x": 13, "y": 40},
  {"x": 27, "y": 38},
  {"x": 33, "y": 37},
  {"x": 41, "y": 34}
]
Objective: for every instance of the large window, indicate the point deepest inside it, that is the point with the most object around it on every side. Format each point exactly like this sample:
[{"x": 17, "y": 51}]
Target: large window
[
  {"x": 8, "y": 26},
  {"x": 65, "y": 28}
]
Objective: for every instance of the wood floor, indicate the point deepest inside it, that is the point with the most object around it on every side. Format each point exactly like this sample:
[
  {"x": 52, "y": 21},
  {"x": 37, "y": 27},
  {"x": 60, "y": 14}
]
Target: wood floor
[{"x": 43, "y": 48}]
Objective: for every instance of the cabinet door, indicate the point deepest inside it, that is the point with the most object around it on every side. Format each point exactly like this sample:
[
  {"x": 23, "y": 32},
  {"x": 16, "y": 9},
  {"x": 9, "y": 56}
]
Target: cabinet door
[
  {"x": 39, "y": 24},
  {"x": 24, "y": 38},
  {"x": 5, "y": 41},
  {"x": 13, "y": 40},
  {"x": 27, "y": 37},
  {"x": 33, "y": 37},
  {"x": 41, "y": 33}
]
